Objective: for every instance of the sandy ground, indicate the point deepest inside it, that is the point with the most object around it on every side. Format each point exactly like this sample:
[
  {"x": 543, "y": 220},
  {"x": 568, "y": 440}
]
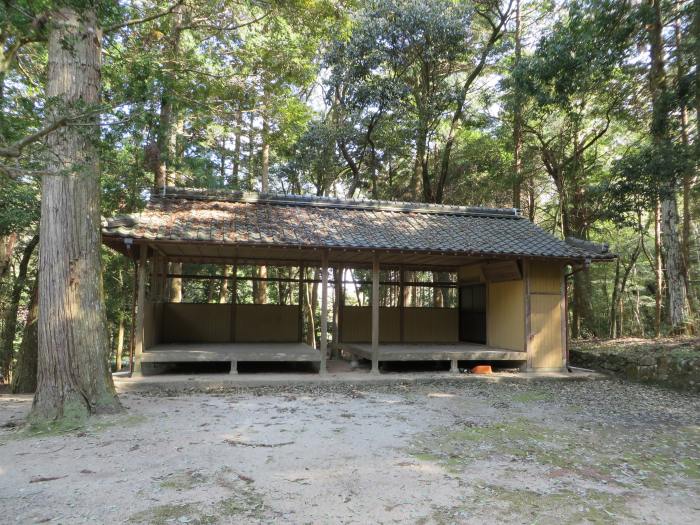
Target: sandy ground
[{"x": 441, "y": 451}]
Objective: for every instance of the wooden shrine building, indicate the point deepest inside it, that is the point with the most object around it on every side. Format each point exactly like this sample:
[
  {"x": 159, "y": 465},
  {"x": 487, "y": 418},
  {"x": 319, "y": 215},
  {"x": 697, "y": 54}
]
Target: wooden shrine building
[{"x": 409, "y": 281}]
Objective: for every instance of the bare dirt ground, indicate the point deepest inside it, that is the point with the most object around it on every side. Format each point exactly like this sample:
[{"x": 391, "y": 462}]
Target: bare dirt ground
[{"x": 449, "y": 451}]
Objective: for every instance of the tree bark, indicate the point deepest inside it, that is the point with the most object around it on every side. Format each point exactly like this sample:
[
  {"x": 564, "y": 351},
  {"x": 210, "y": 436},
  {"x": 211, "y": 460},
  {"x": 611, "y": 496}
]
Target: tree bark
[
  {"x": 265, "y": 153},
  {"x": 250, "y": 182},
  {"x": 696, "y": 38},
  {"x": 658, "y": 270},
  {"x": 24, "y": 380},
  {"x": 235, "y": 183},
  {"x": 517, "y": 119},
  {"x": 678, "y": 314},
  {"x": 260, "y": 287},
  {"x": 7, "y": 247},
  {"x": 223, "y": 290},
  {"x": 119, "y": 350},
  {"x": 175, "y": 293},
  {"x": 10, "y": 321},
  {"x": 688, "y": 174},
  {"x": 167, "y": 128},
  {"x": 73, "y": 379}
]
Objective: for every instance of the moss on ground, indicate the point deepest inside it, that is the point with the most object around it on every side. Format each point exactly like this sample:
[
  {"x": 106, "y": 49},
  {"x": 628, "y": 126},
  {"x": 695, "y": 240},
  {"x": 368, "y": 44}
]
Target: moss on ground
[
  {"x": 528, "y": 506},
  {"x": 68, "y": 425},
  {"x": 242, "y": 503},
  {"x": 183, "y": 480},
  {"x": 598, "y": 455},
  {"x": 172, "y": 513},
  {"x": 531, "y": 396}
]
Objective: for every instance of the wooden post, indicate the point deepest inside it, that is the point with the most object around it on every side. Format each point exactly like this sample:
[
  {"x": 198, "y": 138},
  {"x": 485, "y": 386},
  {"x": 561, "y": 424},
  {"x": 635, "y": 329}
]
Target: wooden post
[
  {"x": 375, "y": 314},
  {"x": 140, "y": 306},
  {"x": 337, "y": 306},
  {"x": 301, "y": 302},
  {"x": 528, "y": 318},
  {"x": 324, "y": 310},
  {"x": 402, "y": 286}
]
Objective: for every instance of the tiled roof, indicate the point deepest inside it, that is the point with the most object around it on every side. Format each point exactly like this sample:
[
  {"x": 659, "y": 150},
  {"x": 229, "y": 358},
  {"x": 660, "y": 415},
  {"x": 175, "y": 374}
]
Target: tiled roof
[{"x": 296, "y": 221}]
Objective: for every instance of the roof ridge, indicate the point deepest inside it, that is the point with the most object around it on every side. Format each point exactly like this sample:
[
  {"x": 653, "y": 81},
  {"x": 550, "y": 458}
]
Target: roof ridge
[{"x": 325, "y": 201}]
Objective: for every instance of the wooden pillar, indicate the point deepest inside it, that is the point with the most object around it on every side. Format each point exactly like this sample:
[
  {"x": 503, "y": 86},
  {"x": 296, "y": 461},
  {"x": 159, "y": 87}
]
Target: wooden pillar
[
  {"x": 324, "y": 311},
  {"x": 375, "y": 314},
  {"x": 402, "y": 286},
  {"x": 301, "y": 303},
  {"x": 528, "y": 318},
  {"x": 140, "y": 306}
]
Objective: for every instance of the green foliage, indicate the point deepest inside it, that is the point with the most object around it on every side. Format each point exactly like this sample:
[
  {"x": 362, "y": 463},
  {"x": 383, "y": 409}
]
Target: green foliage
[{"x": 346, "y": 94}]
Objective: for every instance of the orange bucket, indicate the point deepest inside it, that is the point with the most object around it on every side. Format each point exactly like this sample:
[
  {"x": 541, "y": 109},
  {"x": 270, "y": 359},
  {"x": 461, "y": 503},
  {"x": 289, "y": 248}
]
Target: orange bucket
[{"x": 481, "y": 369}]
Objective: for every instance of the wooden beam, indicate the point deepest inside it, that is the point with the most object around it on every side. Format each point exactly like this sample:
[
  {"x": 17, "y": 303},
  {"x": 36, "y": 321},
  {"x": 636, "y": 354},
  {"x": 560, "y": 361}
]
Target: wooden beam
[
  {"x": 324, "y": 311},
  {"x": 140, "y": 313},
  {"x": 375, "y": 314}
]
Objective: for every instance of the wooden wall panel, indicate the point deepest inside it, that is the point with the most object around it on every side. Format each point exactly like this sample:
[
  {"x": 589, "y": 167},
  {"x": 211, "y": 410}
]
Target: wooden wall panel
[
  {"x": 431, "y": 325},
  {"x": 502, "y": 271},
  {"x": 469, "y": 274},
  {"x": 545, "y": 277},
  {"x": 546, "y": 317},
  {"x": 149, "y": 325},
  {"x": 357, "y": 324},
  {"x": 152, "y": 324},
  {"x": 268, "y": 323},
  {"x": 196, "y": 323},
  {"x": 505, "y": 315}
]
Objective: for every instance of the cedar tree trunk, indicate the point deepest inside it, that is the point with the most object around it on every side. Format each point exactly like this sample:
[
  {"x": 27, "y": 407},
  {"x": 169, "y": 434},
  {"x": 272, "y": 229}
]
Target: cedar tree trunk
[
  {"x": 73, "y": 379},
  {"x": 24, "y": 378}
]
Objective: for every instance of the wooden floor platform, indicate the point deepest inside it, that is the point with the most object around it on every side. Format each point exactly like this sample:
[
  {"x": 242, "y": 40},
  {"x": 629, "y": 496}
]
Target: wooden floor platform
[
  {"x": 435, "y": 352},
  {"x": 233, "y": 352}
]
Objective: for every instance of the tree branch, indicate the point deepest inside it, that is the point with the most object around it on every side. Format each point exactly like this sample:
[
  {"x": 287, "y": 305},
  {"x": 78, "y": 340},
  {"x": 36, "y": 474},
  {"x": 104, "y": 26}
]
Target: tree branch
[
  {"x": 143, "y": 20},
  {"x": 15, "y": 150},
  {"x": 14, "y": 173}
]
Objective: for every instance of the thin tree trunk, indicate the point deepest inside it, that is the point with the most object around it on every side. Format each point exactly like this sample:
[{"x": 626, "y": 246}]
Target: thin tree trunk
[
  {"x": 10, "y": 320},
  {"x": 24, "y": 380},
  {"x": 310, "y": 308},
  {"x": 237, "y": 150},
  {"x": 532, "y": 198},
  {"x": 119, "y": 350},
  {"x": 696, "y": 38},
  {"x": 73, "y": 379},
  {"x": 265, "y": 155},
  {"x": 250, "y": 183},
  {"x": 688, "y": 173},
  {"x": 517, "y": 118},
  {"x": 223, "y": 291},
  {"x": 658, "y": 270},
  {"x": 7, "y": 247},
  {"x": 175, "y": 292},
  {"x": 260, "y": 287},
  {"x": 612, "y": 326},
  {"x": 678, "y": 313}
]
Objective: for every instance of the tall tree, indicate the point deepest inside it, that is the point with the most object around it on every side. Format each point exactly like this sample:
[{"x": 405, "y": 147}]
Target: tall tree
[
  {"x": 10, "y": 320},
  {"x": 517, "y": 115},
  {"x": 73, "y": 377},
  {"x": 678, "y": 313}
]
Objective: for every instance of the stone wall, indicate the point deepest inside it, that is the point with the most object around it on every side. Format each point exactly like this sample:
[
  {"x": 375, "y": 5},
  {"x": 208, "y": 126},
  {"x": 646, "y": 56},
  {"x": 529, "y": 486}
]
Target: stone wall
[{"x": 666, "y": 362}]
